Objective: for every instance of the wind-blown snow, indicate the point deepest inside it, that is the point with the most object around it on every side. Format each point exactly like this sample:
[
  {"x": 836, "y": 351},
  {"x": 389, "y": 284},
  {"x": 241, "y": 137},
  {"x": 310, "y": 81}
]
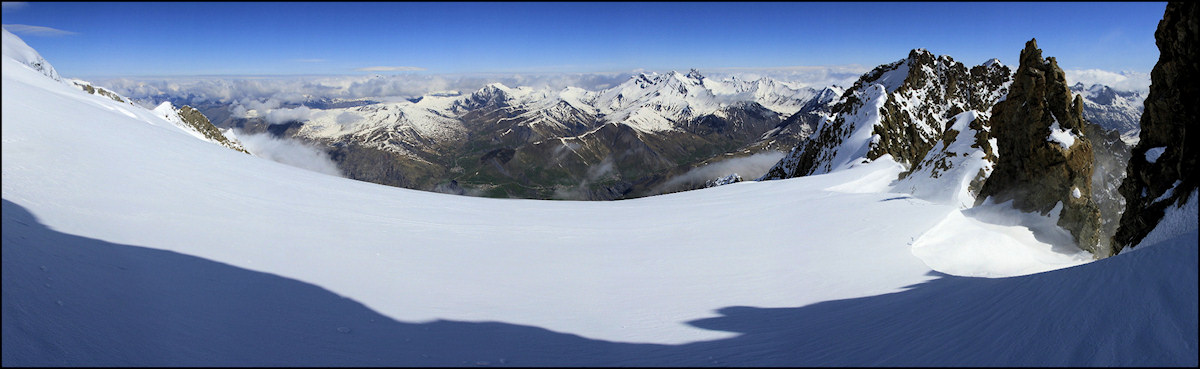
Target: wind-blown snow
[
  {"x": 995, "y": 240},
  {"x": 129, "y": 242}
]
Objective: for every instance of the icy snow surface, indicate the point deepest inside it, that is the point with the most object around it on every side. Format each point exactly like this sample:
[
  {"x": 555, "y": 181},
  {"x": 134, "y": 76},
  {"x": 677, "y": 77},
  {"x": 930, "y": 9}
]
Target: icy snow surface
[
  {"x": 126, "y": 241},
  {"x": 1177, "y": 220},
  {"x": 1153, "y": 154}
]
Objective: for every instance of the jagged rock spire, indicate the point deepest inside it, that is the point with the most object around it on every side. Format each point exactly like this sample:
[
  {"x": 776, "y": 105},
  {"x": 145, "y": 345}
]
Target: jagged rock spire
[{"x": 1044, "y": 158}]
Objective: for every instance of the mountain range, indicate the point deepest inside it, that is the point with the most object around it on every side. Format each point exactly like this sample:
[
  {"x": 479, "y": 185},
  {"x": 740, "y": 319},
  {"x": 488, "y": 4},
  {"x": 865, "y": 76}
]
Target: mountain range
[
  {"x": 500, "y": 141},
  {"x": 651, "y": 134}
]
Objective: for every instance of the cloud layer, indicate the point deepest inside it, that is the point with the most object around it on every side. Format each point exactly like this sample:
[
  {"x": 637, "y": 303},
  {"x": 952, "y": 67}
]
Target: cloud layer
[
  {"x": 1123, "y": 81},
  {"x": 288, "y": 152},
  {"x": 389, "y": 69},
  {"x": 808, "y": 76},
  {"x": 296, "y": 90},
  {"x": 749, "y": 167},
  {"x": 9, "y": 6},
  {"x": 28, "y": 30}
]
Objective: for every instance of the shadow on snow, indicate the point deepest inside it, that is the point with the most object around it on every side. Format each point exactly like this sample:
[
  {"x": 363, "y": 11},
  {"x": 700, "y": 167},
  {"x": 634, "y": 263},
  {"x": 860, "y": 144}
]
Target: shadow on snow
[{"x": 70, "y": 300}]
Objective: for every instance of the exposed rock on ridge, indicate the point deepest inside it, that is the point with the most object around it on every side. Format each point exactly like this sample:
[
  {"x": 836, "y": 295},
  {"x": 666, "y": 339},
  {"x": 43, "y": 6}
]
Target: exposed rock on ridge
[
  {"x": 900, "y": 109},
  {"x": 1163, "y": 169},
  {"x": 1045, "y": 159},
  {"x": 200, "y": 123}
]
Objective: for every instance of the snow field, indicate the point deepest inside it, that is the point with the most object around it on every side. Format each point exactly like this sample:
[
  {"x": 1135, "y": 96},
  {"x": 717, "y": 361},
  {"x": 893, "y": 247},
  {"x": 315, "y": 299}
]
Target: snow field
[{"x": 829, "y": 269}]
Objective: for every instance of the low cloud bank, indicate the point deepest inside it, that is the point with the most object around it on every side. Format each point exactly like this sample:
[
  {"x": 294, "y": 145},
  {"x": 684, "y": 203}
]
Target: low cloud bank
[
  {"x": 749, "y": 167},
  {"x": 1123, "y": 81},
  {"x": 289, "y": 152},
  {"x": 300, "y": 89}
]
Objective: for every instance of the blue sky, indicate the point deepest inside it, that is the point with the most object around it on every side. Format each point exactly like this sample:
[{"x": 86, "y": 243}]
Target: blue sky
[{"x": 88, "y": 40}]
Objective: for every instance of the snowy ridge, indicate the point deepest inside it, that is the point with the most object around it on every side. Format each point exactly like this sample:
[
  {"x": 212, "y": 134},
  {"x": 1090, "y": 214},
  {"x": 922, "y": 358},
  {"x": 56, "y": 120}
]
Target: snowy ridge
[
  {"x": 952, "y": 171},
  {"x": 902, "y": 109},
  {"x": 389, "y": 126},
  {"x": 16, "y": 49},
  {"x": 647, "y": 102},
  {"x": 168, "y": 112},
  {"x": 857, "y": 138}
]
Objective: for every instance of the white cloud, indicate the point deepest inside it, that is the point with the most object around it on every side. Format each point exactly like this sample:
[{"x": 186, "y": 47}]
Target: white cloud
[
  {"x": 348, "y": 117},
  {"x": 303, "y": 89},
  {"x": 28, "y": 30},
  {"x": 1123, "y": 81},
  {"x": 809, "y": 76},
  {"x": 297, "y": 90},
  {"x": 289, "y": 152},
  {"x": 301, "y": 114},
  {"x": 9, "y": 6},
  {"x": 389, "y": 69},
  {"x": 749, "y": 167}
]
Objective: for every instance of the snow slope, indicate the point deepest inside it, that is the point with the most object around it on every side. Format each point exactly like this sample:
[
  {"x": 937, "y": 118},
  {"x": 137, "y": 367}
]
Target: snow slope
[{"x": 129, "y": 242}]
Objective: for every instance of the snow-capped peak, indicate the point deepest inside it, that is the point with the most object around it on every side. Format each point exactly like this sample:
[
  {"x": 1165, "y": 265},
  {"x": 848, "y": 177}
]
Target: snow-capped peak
[{"x": 17, "y": 49}]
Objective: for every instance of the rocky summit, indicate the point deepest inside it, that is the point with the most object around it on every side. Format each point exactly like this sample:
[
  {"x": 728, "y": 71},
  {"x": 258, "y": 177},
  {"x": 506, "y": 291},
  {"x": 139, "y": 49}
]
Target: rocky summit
[
  {"x": 1045, "y": 159},
  {"x": 1162, "y": 167}
]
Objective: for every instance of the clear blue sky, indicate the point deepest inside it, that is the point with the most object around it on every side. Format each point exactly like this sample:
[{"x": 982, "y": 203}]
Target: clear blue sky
[{"x": 161, "y": 39}]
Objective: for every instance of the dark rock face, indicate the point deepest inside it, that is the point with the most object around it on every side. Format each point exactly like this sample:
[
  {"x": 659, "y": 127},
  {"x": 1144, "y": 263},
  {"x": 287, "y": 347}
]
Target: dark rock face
[
  {"x": 919, "y": 95},
  {"x": 729, "y": 179},
  {"x": 1044, "y": 157},
  {"x": 1168, "y": 124}
]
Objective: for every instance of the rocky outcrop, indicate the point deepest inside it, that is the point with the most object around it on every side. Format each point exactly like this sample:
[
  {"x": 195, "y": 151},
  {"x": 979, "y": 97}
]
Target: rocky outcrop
[
  {"x": 99, "y": 91},
  {"x": 729, "y": 179},
  {"x": 900, "y": 109},
  {"x": 957, "y": 166},
  {"x": 1045, "y": 161},
  {"x": 197, "y": 121},
  {"x": 1162, "y": 170},
  {"x": 193, "y": 120}
]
